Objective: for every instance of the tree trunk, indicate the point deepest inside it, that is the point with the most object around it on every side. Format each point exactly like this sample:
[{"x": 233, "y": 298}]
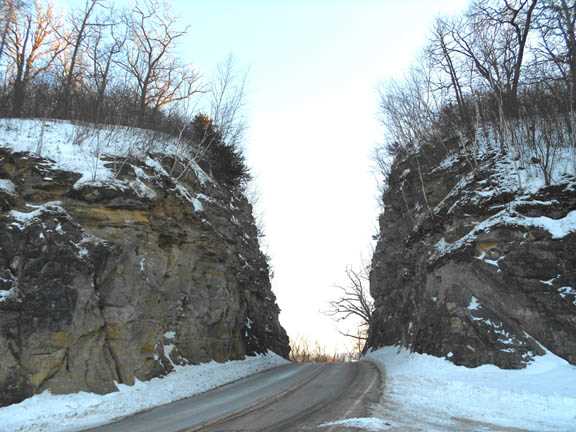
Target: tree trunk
[{"x": 18, "y": 98}]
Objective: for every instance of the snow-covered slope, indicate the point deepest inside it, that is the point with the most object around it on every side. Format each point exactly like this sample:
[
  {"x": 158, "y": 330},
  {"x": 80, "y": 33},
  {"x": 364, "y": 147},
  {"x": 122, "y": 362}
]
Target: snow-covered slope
[
  {"x": 84, "y": 148},
  {"x": 427, "y": 393}
]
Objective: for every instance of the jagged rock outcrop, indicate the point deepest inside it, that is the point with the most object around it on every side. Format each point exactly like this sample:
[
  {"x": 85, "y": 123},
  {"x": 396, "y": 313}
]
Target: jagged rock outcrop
[
  {"x": 104, "y": 282},
  {"x": 475, "y": 261}
]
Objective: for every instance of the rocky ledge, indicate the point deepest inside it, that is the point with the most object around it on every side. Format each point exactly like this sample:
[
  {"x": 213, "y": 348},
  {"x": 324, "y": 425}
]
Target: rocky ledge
[
  {"x": 105, "y": 282},
  {"x": 476, "y": 259}
]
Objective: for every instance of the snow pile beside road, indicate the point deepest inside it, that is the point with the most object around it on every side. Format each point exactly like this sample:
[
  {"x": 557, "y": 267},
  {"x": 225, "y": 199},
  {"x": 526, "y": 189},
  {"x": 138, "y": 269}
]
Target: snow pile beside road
[
  {"x": 58, "y": 413},
  {"x": 427, "y": 391},
  {"x": 367, "y": 423}
]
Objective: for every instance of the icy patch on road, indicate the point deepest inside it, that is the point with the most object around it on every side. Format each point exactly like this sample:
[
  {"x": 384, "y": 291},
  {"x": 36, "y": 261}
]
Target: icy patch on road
[
  {"x": 431, "y": 392},
  {"x": 73, "y": 412}
]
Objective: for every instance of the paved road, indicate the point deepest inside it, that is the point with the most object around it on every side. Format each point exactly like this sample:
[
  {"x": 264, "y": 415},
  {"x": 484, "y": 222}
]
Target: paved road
[{"x": 294, "y": 397}]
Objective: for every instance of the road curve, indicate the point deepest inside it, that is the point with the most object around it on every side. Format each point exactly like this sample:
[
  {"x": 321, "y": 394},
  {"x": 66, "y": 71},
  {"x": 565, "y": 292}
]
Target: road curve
[{"x": 292, "y": 397}]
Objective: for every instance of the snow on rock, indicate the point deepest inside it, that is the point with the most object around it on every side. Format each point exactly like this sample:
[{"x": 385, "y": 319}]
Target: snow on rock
[
  {"x": 156, "y": 166},
  {"x": 557, "y": 228},
  {"x": 142, "y": 191},
  {"x": 83, "y": 148},
  {"x": 474, "y": 305},
  {"x": 22, "y": 219},
  {"x": 7, "y": 186},
  {"x": 65, "y": 413},
  {"x": 6, "y": 294},
  {"x": 569, "y": 293},
  {"x": 184, "y": 193},
  {"x": 448, "y": 162},
  {"x": 197, "y": 204},
  {"x": 433, "y": 394}
]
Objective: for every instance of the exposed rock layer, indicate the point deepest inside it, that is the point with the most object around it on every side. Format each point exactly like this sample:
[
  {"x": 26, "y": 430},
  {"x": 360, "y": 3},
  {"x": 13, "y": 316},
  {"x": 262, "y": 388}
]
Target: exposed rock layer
[
  {"x": 468, "y": 264},
  {"x": 104, "y": 283}
]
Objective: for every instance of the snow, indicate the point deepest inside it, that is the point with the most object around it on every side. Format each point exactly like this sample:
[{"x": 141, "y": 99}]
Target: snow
[
  {"x": 474, "y": 305},
  {"x": 184, "y": 193},
  {"x": 522, "y": 149},
  {"x": 431, "y": 392},
  {"x": 550, "y": 282},
  {"x": 66, "y": 413},
  {"x": 569, "y": 293},
  {"x": 7, "y": 186},
  {"x": 156, "y": 166},
  {"x": 142, "y": 190},
  {"x": 366, "y": 423},
  {"x": 23, "y": 219},
  {"x": 557, "y": 228},
  {"x": 85, "y": 148},
  {"x": 448, "y": 162},
  {"x": 197, "y": 204},
  {"x": 82, "y": 148},
  {"x": 248, "y": 324},
  {"x": 6, "y": 294}
]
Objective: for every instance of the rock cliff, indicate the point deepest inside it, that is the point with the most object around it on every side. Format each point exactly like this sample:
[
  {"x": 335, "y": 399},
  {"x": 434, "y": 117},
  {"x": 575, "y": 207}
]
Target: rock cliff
[
  {"x": 476, "y": 259},
  {"x": 105, "y": 282}
]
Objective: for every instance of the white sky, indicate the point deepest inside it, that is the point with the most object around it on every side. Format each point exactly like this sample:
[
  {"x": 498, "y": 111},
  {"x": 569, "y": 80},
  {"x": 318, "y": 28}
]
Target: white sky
[{"x": 312, "y": 103}]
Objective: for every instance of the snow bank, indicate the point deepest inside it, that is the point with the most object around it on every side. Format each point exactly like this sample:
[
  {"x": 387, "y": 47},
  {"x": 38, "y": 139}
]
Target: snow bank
[
  {"x": 366, "y": 423},
  {"x": 433, "y": 392},
  {"x": 58, "y": 413}
]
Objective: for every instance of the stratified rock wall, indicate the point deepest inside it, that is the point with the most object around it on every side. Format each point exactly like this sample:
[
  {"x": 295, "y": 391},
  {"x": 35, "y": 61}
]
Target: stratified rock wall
[
  {"x": 112, "y": 282},
  {"x": 474, "y": 263}
]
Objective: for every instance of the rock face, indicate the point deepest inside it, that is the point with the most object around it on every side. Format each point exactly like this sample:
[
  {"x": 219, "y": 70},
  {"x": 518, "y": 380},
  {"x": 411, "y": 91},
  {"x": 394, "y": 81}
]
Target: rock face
[
  {"x": 475, "y": 262},
  {"x": 112, "y": 282}
]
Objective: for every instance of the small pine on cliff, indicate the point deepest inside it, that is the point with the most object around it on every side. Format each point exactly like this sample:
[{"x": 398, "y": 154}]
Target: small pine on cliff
[{"x": 119, "y": 258}]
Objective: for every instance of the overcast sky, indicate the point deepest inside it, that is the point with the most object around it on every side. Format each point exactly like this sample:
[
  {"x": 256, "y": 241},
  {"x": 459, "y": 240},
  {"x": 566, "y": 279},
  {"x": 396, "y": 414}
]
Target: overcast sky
[{"x": 314, "y": 67}]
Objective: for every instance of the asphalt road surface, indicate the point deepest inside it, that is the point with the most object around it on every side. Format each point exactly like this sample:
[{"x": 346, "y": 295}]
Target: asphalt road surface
[{"x": 293, "y": 397}]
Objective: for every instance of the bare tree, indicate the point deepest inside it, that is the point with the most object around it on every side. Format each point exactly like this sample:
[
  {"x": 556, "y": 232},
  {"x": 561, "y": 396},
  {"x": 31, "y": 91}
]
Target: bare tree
[
  {"x": 494, "y": 39},
  {"x": 159, "y": 77},
  {"x": 557, "y": 27},
  {"x": 227, "y": 101},
  {"x": 354, "y": 301},
  {"x": 80, "y": 23},
  {"x": 105, "y": 42},
  {"x": 33, "y": 45},
  {"x": 443, "y": 57},
  {"x": 8, "y": 10},
  {"x": 409, "y": 107}
]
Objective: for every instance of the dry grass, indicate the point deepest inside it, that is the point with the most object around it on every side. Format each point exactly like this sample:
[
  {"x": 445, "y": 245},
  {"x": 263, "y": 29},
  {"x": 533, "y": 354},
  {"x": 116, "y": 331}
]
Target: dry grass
[{"x": 304, "y": 350}]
